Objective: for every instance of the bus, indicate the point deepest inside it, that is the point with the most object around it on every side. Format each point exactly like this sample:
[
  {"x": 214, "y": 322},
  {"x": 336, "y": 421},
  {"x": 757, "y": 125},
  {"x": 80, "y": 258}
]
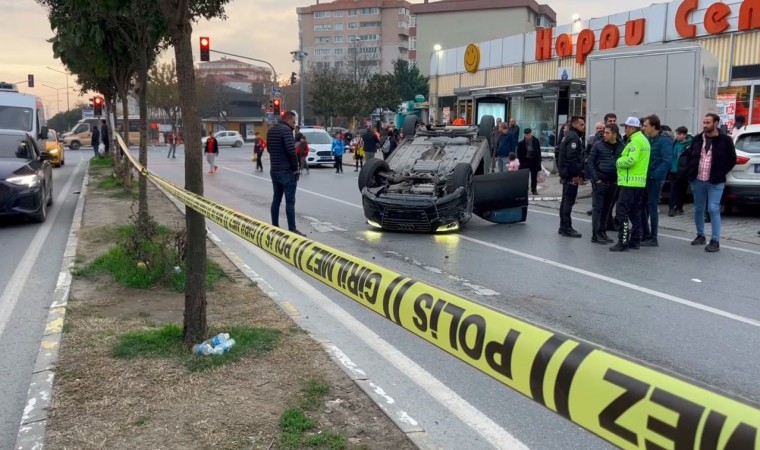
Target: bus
[{"x": 22, "y": 112}]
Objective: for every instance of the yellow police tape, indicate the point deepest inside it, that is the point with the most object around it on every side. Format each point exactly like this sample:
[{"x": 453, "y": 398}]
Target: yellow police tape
[{"x": 625, "y": 402}]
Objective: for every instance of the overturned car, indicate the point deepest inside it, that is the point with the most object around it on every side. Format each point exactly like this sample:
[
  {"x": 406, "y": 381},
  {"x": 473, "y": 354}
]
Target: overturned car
[{"x": 437, "y": 178}]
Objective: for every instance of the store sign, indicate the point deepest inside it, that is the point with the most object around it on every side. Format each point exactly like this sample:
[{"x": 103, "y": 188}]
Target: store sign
[
  {"x": 472, "y": 58},
  {"x": 715, "y": 22}
]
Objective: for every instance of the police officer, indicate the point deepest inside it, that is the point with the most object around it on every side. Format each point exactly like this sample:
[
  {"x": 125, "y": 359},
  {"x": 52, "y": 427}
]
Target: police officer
[{"x": 571, "y": 173}]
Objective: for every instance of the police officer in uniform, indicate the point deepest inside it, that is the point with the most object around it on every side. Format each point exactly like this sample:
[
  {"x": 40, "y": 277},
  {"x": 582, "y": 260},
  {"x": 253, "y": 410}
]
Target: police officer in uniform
[{"x": 571, "y": 173}]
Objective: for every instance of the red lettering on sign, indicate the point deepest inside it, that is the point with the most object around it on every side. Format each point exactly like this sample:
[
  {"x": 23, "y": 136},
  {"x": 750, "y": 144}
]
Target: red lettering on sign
[
  {"x": 684, "y": 28},
  {"x": 544, "y": 38},
  {"x": 585, "y": 45},
  {"x": 610, "y": 37},
  {"x": 564, "y": 45},
  {"x": 716, "y": 18},
  {"x": 634, "y": 32},
  {"x": 749, "y": 15}
]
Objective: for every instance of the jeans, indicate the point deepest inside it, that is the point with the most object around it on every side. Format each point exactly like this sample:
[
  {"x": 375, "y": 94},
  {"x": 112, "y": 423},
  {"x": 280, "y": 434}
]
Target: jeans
[
  {"x": 172, "y": 150},
  {"x": 95, "y": 149},
  {"x": 284, "y": 183},
  {"x": 338, "y": 163},
  {"x": 649, "y": 210},
  {"x": 677, "y": 191},
  {"x": 502, "y": 161},
  {"x": 629, "y": 207},
  {"x": 710, "y": 194},
  {"x": 602, "y": 204},
  {"x": 302, "y": 164},
  {"x": 259, "y": 164},
  {"x": 569, "y": 193}
]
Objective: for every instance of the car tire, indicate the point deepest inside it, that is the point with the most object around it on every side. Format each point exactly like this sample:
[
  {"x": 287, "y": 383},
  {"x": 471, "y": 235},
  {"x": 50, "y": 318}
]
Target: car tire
[
  {"x": 74, "y": 145},
  {"x": 485, "y": 127},
  {"x": 368, "y": 177},
  {"x": 238, "y": 144},
  {"x": 63, "y": 162},
  {"x": 41, "y": 215},
  {"x": 464, "y": 177},
  {"x": 410, "y": 126}
]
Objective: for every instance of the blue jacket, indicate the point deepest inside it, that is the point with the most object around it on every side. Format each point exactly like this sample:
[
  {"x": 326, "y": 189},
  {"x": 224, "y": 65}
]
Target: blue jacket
[
  {"x": 506, "y": 144},
  {"x": 660, "y": 157},
  {"x": 282, "y": 148},
  {"x": 678, "y": 149},
  {"x": 338, "y": 147}
]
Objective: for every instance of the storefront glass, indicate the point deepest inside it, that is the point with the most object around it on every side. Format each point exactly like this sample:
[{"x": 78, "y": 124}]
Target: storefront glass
[
  {"x": 536, "y": 113},
  {"x": 756, "y": 105},
  {"x": 734, "y": 101},
  {"x": 497, "y": 110}
]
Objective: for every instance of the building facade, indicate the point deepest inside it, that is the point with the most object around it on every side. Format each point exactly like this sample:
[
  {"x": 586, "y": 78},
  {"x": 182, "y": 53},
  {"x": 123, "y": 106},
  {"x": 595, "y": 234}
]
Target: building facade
[
  {"x": 433, "y": 23},
  {"x": 524, "y": 70},
  {"x": 346, "y": 33},
  {"x": 233, "y": 73}
]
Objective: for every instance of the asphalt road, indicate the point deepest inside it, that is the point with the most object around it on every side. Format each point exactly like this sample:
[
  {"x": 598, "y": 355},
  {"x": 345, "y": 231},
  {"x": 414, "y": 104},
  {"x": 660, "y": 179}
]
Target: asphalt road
[
  {"x": 29, "y": 266},
  {"x": 674, "y": 306}
]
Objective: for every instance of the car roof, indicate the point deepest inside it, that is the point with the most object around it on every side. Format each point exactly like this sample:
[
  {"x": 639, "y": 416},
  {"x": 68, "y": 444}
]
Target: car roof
[
  {"x": 314, "y": 130},
  {"x": 750, "y": 129},
  {"x": 10, "y": 132}
]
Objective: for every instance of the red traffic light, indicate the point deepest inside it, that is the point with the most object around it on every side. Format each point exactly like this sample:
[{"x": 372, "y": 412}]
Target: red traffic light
[
  {"x": 98, "y": 101},
  {"x": 205, "y": 48},
  {"x": 204, "y": 42},
  {"x": 277, "y": 102}
]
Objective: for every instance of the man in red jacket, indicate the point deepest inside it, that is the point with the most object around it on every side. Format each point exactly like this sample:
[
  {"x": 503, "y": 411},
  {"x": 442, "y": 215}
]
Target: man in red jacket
[{"x": 212, "y": 151}]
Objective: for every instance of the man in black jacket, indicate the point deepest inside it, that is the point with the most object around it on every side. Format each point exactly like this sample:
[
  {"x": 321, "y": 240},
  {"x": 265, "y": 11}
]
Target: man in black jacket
[
  {"x": 711, "y": 157},
  {"x": 602, "y": 171},
  {"x": 95, "y": 141},
  {"x": 529, "y": 155},
  {"x": 571, "y": 174},
  {"x": 104, "y": 134},
  {"x": 283, "y": 168}
]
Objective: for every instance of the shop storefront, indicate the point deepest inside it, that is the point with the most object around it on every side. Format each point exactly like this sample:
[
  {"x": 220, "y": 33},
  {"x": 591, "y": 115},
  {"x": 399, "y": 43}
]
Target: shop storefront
[{"x": 539, "y": 78}]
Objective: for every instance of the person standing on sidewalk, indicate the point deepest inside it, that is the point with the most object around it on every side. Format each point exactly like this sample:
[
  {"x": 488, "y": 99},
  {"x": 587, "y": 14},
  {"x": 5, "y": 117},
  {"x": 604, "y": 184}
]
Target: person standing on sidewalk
[
  {"x": 632, "y": 169},
  {"x": 529, "y": 155},
  {"x": 95, "y": 140},
  {"x": 212, "y": 151},
  {"x": 258, "y": 150},
  {"x": 371, "y": 141},
  {"x": 504, "y": 146},
  {"x": 660, "y": 158},
  {"x": 338, "y": 149},
  {"x": 105, "y": 137},
  {"x": 171, "y": 139},
  {"x": 711, "y": 157},
  {"x": 677, "y": 177},
  {"x": 601, "y": 169},
  {"x": 283, "y": 168},
  {"x": 571, "y": 174}
]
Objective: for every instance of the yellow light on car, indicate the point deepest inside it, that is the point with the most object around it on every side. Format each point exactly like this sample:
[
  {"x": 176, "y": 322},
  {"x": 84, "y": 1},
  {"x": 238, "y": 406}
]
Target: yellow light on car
[
  {"x": 448, "y": 227},
  {"x": 374, "y": 224}
]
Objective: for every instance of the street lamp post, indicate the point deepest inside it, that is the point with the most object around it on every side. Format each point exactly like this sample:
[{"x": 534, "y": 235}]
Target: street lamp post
[
  {"x": 58, "y": 101},
  {"x": 68, "y": 105},
  {"x": 299, "y": 55},
  {"x": 436, "y": 48}
]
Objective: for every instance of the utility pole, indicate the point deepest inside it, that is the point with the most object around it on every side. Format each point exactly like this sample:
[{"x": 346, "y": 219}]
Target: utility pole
[{"x": 299, "y": 55}]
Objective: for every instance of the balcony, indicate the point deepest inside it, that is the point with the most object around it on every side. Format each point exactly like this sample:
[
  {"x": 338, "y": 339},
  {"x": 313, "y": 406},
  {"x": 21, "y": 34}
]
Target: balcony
[{"x": 403, "y": 45}]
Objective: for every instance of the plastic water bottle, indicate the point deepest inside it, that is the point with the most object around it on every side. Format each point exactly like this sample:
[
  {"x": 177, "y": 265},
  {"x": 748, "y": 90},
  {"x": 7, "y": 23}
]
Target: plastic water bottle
[
  {"x": 218, "y": 339},
  {"x": 203, "y": 349},
  {"x": 224, "y": 347}
]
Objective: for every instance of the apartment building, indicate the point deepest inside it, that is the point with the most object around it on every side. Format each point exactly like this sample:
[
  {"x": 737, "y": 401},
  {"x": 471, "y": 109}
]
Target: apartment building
[
  {"x": 351, "y": 33},
  {"x": 233, "y": 73},
  {"x": 453, "y": 23}
]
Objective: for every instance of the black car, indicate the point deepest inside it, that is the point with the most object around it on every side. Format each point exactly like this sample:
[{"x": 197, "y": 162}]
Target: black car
[
  {"x": 26, "y": 176},
  {"x": 437, "y": 178}
]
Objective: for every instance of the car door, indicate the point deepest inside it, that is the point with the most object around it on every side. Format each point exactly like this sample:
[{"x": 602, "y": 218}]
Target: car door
[{"x": 224, "y": 138}]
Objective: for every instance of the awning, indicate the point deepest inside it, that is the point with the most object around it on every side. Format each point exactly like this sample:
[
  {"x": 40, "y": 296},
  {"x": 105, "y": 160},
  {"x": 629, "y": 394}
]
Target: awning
[{"x": 543, "y": 89}]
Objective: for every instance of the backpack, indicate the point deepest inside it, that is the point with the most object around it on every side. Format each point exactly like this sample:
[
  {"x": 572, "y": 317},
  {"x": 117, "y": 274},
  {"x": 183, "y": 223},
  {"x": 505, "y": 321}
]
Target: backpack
[{"x": 386, "y": 144}]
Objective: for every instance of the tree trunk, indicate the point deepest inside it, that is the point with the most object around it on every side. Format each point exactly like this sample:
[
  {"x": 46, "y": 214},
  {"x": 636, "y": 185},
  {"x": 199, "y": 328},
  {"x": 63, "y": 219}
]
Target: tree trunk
[
  {"x": 176, "y": 13},
  {"x": 142, "y": 198},
  {"x": 126, "y": 169}
]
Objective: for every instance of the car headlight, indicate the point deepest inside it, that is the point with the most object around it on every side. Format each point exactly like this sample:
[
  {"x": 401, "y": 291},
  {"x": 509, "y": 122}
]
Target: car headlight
[
  {"x": 27, "y": 180},
  {"x": 53, "y": 150},
  {"x": 448, "y": 227},
  {"x": 374, "y": 224}
]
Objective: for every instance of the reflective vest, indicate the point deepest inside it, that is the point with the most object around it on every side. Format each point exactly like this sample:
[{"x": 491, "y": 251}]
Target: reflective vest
[{"x": 633, "y": 164}]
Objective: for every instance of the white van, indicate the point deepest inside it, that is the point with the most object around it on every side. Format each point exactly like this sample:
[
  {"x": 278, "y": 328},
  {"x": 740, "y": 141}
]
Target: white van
[{"x": 22, "y": 112}]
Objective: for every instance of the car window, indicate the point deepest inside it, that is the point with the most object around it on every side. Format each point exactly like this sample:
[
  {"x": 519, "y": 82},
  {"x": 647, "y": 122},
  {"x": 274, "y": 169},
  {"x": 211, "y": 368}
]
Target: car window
[
  {"x": 82, "y": 128},
  {"x": 317, "y": 137},
  {"x": 12, "y": 147},
  {"x": 51, "y": 136},
  {"x": 16, "y": 118},
  {"x": 748, "y": 143}
]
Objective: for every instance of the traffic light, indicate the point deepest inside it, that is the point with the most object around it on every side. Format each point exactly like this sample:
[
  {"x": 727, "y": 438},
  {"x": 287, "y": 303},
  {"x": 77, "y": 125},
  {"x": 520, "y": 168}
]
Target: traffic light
[
  {"x": 205, "y": 48},
  {"x": 30, "y": 80},
  {"x": 97, "y": 104},
  {"x": 292, "y": 78},
  {"x": 276, "y": 106}
]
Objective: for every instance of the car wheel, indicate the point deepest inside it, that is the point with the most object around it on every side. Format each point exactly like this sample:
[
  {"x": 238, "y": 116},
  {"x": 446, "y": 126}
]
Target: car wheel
[
  {"x": 41, "y": 215},
  {"x": 369, "y": 175},
  {"x": 463, "y": 177},
  {"x": 74, "y": 145},
  {"x": 238, "y": 144},
  {"x": 410, "y": 126},
  {"x": 485, "y": 127},
  {"x": 63, "y": 162}
]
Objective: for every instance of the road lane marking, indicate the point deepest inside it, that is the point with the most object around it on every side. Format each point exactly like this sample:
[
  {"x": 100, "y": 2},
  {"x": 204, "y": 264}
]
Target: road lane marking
[
  {"x": 611, "y": 280},
  {"x": 17, "y": 281}
]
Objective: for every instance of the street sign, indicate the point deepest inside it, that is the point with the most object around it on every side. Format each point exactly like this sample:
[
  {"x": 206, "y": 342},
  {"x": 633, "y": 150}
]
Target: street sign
[{"x": 275, "y": 92}]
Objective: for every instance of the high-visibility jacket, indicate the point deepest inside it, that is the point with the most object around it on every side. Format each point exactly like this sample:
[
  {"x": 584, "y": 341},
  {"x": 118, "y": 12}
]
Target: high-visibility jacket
[{"x": 633, "y": 164}]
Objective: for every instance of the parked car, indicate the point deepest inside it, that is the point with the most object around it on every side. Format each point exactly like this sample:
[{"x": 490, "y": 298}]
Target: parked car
[
  {"x": 26, "y": 176},
  {"x": 54, "y": 146},
  {"x": 320, "y": 146},
  {"x": 437, "y": 178},
  {"x": 743, "y": 182},
  {"x": 231, "y": 138}
]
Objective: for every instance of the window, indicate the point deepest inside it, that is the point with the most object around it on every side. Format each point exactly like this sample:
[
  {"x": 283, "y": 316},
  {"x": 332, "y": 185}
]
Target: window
[
  {"x": 337, "y": 51},
  {"x": 413, "y": 43},
  {"x": 403, "y": 11},
  {"x": 370, "y": 24},
  {"x": 338, "y": 64},
  {"x": 369, "y": 11},
  {"x": 338, "y": 26},
  {"x": 337, "y": 13},
  {"x": 368, "y": 50},
  {"x": 413, "y": 21},
  {"x": 749, "y": 143},
  {"x": 351, "y": 37},
  {"x": 337, "y": 39},
  {"x": 322, "y": 40},
  {"x": 323, "y": 26},
  {"x": 351, "y": 12},
  {"x": 322, "y": 52},
  {"x": 322, "y": 14},
  {"x": 353, "y": 25},
  {"x": 369, "y": 37},
  {"x": 403, "y": 24}
]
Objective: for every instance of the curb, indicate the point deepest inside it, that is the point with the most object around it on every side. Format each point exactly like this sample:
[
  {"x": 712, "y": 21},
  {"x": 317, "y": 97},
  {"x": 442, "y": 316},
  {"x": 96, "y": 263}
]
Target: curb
[
  {"x": 410, "y": 427},
  {"x": 31, "y": 433}
]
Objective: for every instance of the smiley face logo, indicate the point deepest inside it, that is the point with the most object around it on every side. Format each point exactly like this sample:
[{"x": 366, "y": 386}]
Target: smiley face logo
[{"x": 471, "y": 58}]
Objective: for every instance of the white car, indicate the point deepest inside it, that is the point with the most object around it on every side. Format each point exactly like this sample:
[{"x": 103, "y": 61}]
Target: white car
[
  {"x": 320, "y": 146},
  {"x": 231, "y": 138},
  {"x": 743, "y": 182}
]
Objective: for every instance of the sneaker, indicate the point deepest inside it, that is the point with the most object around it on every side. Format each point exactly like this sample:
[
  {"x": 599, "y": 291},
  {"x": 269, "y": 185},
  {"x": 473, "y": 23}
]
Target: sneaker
[
  {"x": 216, "y": 169},
  {"x": 598, "y": 239},
  {"x": 571, "y": 233},
  {"x": 534, "y": 192},
  {"x": 699, "y": 240},
  {"x": 295, "y": 231},
  {"x": 356, "y": 170},
  {"x": 713, "y": 246},
  {"x": 635, "y": 246},
  {"x": 589, "y": 212},
  {"x": 210, "y": 171},
  {"x": 619, "y": 247},
  {"x": 650, "y": 243},
  {"x": 679, "y": 212},
  {"x": 671, "y": 213}
]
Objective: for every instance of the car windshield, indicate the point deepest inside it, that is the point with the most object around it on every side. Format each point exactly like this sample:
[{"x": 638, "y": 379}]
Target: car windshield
[
  {"x": 749, "y": 143},
  {"x": 14, "y": 147},
  {"x": 51, "y": 136},
  {"x": 15, "y": 118},
  {"x": 317, "y": 137}
]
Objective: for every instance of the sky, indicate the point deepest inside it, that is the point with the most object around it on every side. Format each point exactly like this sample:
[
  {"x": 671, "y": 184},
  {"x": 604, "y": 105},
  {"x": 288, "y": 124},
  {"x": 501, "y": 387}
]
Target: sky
[{"x": 262, "y": 29}]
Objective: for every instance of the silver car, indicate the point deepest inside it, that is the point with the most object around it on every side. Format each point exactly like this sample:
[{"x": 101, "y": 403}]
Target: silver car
[
  {"x": 231, "y": 138},
  {"x": 743, "y": 182}
]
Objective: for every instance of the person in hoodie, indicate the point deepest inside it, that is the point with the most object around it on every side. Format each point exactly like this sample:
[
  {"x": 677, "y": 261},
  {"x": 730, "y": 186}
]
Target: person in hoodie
[
  {"x": 660, "y": 158},
  {"x": 602, "y": 171},
  {"x": 678, "y": 183},
  {"x": 338, "y": 149}
]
